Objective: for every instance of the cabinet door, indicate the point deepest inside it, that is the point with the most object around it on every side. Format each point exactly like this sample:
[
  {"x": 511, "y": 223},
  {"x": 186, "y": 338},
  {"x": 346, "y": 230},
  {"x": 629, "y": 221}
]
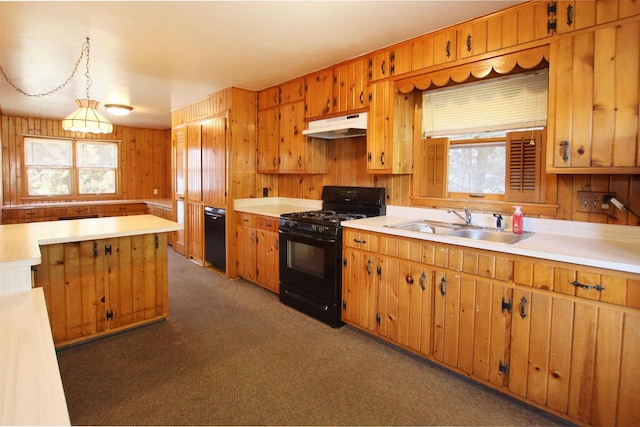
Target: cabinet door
[
  {"x": 246, "y": 264},
  {"x": 268, "y": 140},
  {"x": 292, "y": 91},
  {"x": 267, "y": 260},
  {"x": 194, "y": 163},
  {"x": 594, "y": 80},
  {"x": 446, "y": 314},
  {"x": 379, "y": 66},
  {"x": 292, "y": 148},
  {"x": 472, "y": 38},
  {"x": 319, "y": 96},
  {"x": 444, "y": 46},
  {"x": 350, "y": 86},
  {"x": 379, "y": 128},
  {"x": 73, "y": 283},
  {"x": 214, "y": 161},
  {"x": 195, "y": 231},
  {"x": 360, "y": 289},
  {"x": 574, "y": 15},
  {"x": 405, "y": 303}
]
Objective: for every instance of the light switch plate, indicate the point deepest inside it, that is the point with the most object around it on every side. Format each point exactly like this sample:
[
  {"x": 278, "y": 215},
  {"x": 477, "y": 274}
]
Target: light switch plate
[{"x": 591, "y": 202}]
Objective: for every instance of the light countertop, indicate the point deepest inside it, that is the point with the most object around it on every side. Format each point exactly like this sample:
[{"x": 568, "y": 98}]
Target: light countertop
[
  {"x": 19, "y": 243},
  {"x": 613, "y": 247},
  {"x": 275, "y": 206},
  {"x": 31, "y": 391}
]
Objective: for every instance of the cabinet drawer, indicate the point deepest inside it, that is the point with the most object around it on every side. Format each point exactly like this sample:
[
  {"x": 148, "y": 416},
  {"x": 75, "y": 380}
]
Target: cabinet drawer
[
  {"x": 361, "y": 240},
  {"x": 401, "y": 247},
  {"x": 246, "y": 219},
  {"x": 584, "y": 282},
  {"x": 267, "y": 223}
]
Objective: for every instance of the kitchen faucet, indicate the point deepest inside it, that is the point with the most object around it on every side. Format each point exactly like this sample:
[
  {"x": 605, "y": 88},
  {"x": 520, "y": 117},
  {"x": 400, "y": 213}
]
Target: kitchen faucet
[{"x": 466, "y": 218}]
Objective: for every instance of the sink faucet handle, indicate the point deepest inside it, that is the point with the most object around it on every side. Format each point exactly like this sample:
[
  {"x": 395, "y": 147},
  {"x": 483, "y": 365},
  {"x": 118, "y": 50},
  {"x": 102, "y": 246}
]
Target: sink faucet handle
[
  {"x": 498, "y": 218},
  {"x": 467, "y": 214}
]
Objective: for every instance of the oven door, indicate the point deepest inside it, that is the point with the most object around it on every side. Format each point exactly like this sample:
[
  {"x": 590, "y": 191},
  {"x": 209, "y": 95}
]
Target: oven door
[{"x": 311, "y": 263}]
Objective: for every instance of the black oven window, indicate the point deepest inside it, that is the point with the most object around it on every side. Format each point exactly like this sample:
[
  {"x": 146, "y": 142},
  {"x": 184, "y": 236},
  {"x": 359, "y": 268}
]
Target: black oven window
[{"x": 305, "y": 258}]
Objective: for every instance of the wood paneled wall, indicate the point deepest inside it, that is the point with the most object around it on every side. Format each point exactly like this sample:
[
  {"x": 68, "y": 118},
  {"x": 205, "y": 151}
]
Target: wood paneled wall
[
  {"x": 348, "y": 167},
  {"x": 145, "y": 157}
]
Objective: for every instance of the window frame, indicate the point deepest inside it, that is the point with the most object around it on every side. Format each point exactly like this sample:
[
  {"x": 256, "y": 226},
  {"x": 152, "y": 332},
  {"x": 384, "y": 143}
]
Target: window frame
[{"x": 74, "y": 171}]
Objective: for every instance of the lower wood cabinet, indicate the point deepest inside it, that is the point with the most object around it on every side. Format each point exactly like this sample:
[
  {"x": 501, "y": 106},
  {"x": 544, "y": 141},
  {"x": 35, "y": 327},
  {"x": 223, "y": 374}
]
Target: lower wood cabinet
[
  {"x": 564, "y": 338},
  {"x": 258, "y": 250},
  {"x": 100, "y": 286}
]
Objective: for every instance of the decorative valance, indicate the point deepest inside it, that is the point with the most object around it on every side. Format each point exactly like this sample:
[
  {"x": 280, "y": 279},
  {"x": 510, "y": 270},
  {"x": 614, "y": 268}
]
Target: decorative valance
[{"x": 500, "y": 65}]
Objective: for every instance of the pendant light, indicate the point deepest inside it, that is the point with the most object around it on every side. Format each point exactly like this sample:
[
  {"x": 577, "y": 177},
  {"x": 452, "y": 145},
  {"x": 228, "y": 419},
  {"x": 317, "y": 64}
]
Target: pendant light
[{"x": 87, "y": 118}]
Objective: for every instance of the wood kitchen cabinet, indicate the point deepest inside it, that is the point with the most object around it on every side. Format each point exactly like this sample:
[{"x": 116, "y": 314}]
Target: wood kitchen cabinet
[
  {"x": 360, "y": 280},
  {"x": 593, "y": 86},
  {"x": 572, "y": 15},
  {"x": 390, "y": 131},
  {"x": 282, "y": 148},
  {"x": 573, "y": 331},
  {"x": 560, "y": 336},
  {"x": 319, "y": 94},
  {"x": 350, "y": 90},
  {"x": 258, "y": 250},
  {"x": 96, "y": 287}
]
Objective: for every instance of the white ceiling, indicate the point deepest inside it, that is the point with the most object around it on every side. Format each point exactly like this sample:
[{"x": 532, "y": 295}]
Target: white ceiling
[{"x": 160, "y": 55}]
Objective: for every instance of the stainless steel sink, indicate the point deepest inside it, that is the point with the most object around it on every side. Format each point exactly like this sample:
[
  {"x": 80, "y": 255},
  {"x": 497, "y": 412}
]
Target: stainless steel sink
[
  {"x": 492, "y": 236},
  {"x": 461, "y": 230},
  {"x": 425, "y": 226}
]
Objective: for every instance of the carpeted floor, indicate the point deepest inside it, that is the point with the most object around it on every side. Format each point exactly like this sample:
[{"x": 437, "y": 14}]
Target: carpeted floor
[{"x": 231, "y": 354}]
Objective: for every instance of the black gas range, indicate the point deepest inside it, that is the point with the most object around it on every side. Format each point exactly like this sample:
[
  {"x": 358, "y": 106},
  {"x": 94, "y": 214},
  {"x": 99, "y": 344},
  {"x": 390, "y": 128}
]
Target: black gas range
[{"x": 311, "y": 250}]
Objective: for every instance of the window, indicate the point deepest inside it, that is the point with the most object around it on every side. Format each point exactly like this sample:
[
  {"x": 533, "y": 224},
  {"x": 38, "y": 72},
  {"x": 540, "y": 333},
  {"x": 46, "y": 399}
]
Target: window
[
  {"x": 483, "y": 139},
  {"x": 62, "y": 167},
  {"x": 477, "y": 168}
]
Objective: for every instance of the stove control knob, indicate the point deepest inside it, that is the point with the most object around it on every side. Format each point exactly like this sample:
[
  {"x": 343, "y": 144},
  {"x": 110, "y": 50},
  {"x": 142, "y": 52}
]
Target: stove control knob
[
  {"x": 320, "y": 228},
  {"x": 290, "y": 224}
]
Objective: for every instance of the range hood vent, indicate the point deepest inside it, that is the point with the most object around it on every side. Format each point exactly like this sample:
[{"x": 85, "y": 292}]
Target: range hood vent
[{"x": 338, "y": 127}]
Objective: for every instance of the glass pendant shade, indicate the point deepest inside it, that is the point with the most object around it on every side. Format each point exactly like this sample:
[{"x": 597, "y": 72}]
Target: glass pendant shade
[{"x": 87, "y": 118}]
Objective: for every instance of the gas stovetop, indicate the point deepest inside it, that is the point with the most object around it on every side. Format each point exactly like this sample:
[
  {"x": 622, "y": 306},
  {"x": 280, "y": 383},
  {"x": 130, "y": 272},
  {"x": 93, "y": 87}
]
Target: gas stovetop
[{"x": 338, "y": 204}]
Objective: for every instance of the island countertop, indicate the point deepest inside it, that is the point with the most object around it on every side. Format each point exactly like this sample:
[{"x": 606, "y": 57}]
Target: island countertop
[{"x": 19, "y": 243}]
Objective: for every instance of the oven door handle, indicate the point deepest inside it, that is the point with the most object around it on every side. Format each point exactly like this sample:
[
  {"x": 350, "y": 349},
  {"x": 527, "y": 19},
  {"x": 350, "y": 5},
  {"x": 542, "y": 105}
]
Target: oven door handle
[{"x": 308, "y": 237}]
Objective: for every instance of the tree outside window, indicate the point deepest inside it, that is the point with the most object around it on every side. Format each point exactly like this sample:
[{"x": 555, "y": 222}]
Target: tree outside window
[{"x": 61, "y": 167}]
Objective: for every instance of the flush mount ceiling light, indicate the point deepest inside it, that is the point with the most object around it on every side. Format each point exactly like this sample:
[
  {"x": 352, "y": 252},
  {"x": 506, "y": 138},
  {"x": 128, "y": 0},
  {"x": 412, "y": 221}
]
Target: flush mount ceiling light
[
  {"x": 86, "y": 118},
  {"x": 118, "y": 109}
]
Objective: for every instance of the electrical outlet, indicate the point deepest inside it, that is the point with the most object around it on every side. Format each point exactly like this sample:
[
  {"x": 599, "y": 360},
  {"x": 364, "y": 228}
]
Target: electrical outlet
[
  {"x": 591, "y": 202},
  {"x": 155, "y": 191}
]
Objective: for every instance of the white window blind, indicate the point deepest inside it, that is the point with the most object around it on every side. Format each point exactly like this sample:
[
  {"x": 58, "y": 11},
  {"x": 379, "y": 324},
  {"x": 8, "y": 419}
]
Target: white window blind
[{"x": 506, "y": 103}]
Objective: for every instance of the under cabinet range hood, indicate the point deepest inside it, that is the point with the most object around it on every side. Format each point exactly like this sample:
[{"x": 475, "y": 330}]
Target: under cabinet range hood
[{"x": 348, "y": 126}]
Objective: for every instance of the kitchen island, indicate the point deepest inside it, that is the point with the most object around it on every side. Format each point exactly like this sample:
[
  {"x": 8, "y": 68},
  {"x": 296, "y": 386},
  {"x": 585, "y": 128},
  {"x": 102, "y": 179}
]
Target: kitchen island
[{"x": 32, "y": 392}]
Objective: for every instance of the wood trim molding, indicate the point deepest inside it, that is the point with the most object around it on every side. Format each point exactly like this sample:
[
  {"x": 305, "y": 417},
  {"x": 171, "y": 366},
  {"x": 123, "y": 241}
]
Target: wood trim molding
[{"x": 529, "y": 59}]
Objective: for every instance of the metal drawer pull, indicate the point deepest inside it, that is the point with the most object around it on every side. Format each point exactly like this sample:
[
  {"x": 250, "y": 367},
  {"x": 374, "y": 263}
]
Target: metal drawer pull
[
  {"x": 360, "y": 241},
  {"x": 369, "y": 267},
  {"x": 423, "y": 278},
  {"x": 443, "y": 286},
  {"x": 582, "y": 285}
]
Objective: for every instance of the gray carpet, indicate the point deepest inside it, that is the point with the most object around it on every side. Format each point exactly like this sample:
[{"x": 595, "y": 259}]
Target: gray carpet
[{"x": 231, "y": 354}]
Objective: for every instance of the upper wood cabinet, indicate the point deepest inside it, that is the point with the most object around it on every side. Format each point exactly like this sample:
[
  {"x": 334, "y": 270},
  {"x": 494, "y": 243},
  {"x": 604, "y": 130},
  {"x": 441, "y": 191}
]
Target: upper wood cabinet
[
  {"x": 574, "y": 15},
  {"x": 319, "y": 94},
  {"x": 350, "y": 86},
  {"x": 593, "y": 101},
  {"x": 390, "y": 130},
  {"x": 288, "y": 92},
  {"x": 472, "y": 38},
  {"x": 282, "y": 148}
]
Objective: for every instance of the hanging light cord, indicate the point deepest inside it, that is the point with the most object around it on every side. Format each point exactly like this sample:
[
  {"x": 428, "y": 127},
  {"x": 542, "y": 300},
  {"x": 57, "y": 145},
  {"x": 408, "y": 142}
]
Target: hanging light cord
[{"x": 85, "y": 47}]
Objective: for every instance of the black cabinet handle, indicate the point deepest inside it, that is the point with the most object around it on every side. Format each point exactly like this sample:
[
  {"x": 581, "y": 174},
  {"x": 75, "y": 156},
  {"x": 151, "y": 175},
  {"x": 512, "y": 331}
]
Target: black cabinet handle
[
  {"x": 569, "y": 15},
  {"x": 409, "y": 279},
  {"x": 423, "y": 278},
  {"x": 448, "y": 49},
  {"x": 577, "y": 284},
  {"x": 369, "y": 267},
  {"x": 523, "y": 305},
  {"x": 443, "y": 286},
  {"x": 565, "y": 150},
  {"x": 468, "y": 42}
]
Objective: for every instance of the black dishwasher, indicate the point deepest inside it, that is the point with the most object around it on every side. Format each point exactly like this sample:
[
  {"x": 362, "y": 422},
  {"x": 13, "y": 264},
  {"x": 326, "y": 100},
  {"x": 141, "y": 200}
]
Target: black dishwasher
[{"x": 214, "y": 237}]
